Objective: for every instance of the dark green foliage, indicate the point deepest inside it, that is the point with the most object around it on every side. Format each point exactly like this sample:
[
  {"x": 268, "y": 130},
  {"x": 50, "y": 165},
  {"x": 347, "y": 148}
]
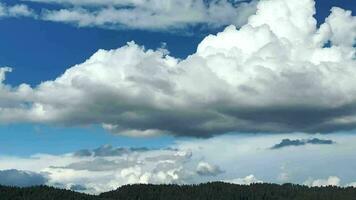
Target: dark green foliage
[
  {"x": 225, "y": 191},
  {"x": 208, "y": 191}
]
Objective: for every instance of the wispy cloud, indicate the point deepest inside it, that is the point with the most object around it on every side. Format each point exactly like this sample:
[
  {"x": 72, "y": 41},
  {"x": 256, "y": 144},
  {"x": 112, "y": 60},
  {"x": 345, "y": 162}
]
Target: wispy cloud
[
  {"x": 156, "y": 15},
  {"x": 17, "y": 10}
]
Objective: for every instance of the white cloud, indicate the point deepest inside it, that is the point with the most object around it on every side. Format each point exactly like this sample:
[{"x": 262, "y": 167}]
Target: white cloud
[
  {"x": 275, "y": 74},
  {"x": 331, "y": 181},
  {"x": 340, "y": 27},
  {"x": 150, "y": 14},
  {"x": 17, "y": 10},
  {"x": 103, "y": 172},
  {"x": 111, "y": 2},
  {"x": 244, "y": 159},
  {"x": 353, "y": 184},
  {"x": 248, "y": 180},
  {"x": 4, "y": 70}
]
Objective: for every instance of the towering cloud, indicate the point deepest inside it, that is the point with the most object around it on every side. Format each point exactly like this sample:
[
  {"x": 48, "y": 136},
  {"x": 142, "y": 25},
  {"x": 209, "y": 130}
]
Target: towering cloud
[{"x": 278, "y": 73}]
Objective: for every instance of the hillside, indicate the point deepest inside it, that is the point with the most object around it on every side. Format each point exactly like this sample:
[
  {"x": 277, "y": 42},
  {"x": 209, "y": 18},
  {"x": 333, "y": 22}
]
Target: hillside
[{"x": 208, "y": 191}]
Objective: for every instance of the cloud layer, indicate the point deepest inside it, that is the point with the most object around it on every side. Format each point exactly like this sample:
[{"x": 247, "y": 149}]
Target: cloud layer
[
  {"x": 278, "y": 73},
  {"x": 237, "y": 159},
  {"x": 154, "y": 15},
  {"x": 151, "y": 14}
]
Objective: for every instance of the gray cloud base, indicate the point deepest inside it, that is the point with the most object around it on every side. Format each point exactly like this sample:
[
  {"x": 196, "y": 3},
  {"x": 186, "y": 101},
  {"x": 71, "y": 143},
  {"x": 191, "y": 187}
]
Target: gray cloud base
[
  {"x": 18, "y": 178},
  {"x": 301, "y": 142}
]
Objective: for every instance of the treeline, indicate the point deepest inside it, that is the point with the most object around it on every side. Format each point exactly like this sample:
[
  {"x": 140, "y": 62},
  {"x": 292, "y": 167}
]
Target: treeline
[{"x": 208, "y": 191}]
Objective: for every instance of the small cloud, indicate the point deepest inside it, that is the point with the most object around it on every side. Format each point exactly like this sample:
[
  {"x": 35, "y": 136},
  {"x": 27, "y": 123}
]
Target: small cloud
[
  {"x": 248, "y": 180},
  {"x": 18, "y": 10},
  {"x": 206, "y": 169},
  {"x": 301, "y": 142},
  {"x": 353, "y": 184},
  {"x": 331, "y": 181}
]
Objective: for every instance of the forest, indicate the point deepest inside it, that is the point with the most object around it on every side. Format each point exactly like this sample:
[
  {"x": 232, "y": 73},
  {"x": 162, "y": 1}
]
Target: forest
[{"x": 206, "y": 191}]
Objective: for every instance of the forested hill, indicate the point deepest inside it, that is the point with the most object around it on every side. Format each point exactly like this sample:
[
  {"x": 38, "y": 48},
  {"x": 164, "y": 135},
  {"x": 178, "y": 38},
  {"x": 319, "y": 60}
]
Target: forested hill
[{"x": 208, "y": 191}]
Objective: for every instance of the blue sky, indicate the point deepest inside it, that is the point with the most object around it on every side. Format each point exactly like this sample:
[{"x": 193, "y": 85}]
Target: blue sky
[{"x": 39, "y": 43}]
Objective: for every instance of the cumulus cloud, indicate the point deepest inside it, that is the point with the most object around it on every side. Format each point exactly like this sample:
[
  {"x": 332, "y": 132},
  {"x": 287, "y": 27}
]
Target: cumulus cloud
[
  {"x": 18, "y": 178},
  {"x": 150, "y": 14},
  {"x": 275, "y": 74},
  {"x": 206, "y": 169},
  {"x": 18, "y": 10},
  {"x": 98, "y": 173},
  {"x": 299, "y": 142}
]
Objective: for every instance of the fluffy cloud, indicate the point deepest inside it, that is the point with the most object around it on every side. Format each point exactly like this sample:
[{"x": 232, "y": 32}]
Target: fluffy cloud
[
  {"x": 298, "y": 142},
  {"x": 206, "y": 169},
  {"x": 18, "y": 178},
  {"x": 98, "y": 173},
  {"x": 18, "y": 10},
  {"x": 150, "y": 14},
  {"x": 277, "y": 73}
]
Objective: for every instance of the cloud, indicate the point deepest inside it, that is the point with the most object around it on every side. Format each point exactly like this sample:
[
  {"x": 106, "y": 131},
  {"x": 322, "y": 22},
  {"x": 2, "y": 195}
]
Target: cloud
[
  {"x": 92, "y": 174},
  {"x": 244, "y": 159},
  {"x": 206, "y": 169},
  {"x": 107, "y": 150},
  {"x": 298, "y": 142},
  {"x": 150, "y": 14},
  {"x": 100, "y": 164},
  {"x": 275, "y": 74},
  {"x": 18, "y": 10},
  {"x": 339, "y": 22},
  {"x": 353, "y": 184},
  {"x": 248, "y": 180},
  {"x": 18, "y": 178},
  {"x": 78, "y": 188},
  {"x": 331, "y": 181}
]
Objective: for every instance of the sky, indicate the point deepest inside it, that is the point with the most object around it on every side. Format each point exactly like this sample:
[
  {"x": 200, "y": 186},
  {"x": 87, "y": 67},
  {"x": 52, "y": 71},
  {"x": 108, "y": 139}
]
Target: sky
[{"x": 98, "y": 94}]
